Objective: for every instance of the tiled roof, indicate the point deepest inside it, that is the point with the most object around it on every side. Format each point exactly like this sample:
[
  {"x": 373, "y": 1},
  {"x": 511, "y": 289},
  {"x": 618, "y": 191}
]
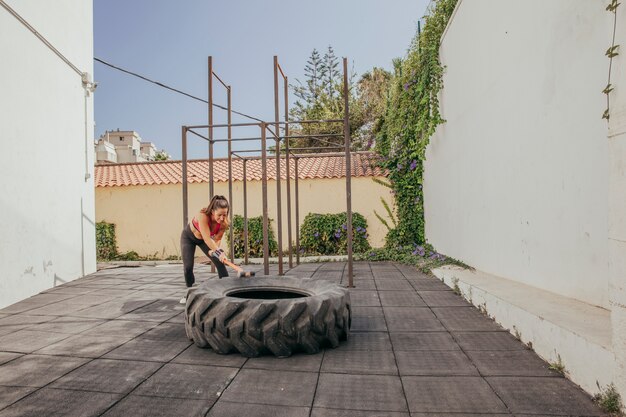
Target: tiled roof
[{"x": 170, "y": 172}]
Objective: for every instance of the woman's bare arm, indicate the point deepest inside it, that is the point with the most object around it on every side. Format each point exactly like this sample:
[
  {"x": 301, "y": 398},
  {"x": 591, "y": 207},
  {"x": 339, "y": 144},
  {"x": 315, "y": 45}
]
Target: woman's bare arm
[{"x": 205, "y": 231}]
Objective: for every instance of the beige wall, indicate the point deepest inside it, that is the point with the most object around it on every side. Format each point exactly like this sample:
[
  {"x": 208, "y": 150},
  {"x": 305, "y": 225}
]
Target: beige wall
[{"x": 149, "y": 218}]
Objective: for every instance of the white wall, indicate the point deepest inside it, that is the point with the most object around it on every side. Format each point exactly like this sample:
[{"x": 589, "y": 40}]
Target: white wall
[
  {"x": 46, "y": 129},
  {"x": 516, "y": 181}
]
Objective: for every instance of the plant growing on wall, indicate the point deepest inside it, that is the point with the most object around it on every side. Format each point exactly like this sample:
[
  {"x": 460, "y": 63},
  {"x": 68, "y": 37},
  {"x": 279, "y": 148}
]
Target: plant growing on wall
[
  {"x": 612, "y": 52},
  {"x": 106, "y": 247},
  {"x": 326, "y": 234},
  {"x": 411, "y": 117},
  {"x": 255, "y": 237}
]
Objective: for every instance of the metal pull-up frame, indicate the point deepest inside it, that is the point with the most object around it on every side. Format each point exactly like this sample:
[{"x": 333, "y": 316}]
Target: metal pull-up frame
[{"x": 275, "y": 133}]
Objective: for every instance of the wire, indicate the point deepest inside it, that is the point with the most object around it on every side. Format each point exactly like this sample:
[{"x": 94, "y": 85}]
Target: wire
[
  {"x": 41, "y": 37},
  {"x": 170, "y": 88}
]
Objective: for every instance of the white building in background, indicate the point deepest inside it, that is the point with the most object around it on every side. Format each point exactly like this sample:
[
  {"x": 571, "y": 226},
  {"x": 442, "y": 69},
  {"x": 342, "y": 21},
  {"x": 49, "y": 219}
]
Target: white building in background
[
  {"x": 533, "y": 179},
  {"x": 47, "y": 227},
  {"x": 123, "y": 146}
]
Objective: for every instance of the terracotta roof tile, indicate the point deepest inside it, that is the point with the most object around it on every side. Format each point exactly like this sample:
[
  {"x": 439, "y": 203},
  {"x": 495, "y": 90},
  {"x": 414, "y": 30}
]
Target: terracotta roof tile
[{"x": 170, "y": 172}]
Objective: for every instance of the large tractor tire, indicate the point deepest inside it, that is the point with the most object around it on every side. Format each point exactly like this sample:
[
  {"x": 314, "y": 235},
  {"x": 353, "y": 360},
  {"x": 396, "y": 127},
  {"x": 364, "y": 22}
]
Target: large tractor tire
[{"x": 280, "y": 315}]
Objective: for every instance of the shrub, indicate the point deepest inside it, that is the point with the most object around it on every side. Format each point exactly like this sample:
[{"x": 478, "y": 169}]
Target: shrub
[
  {"x": 424, "y": 257},
  {"x": 326, "y": 234},
  {"x": 255, "y": 237},
  {"x": 106, "y": 247}
]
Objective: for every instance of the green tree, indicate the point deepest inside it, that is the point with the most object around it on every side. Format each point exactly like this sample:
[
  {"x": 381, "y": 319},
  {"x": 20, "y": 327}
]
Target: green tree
[
  {"x": 372, "y": 90},
  {"x": 161, "y": 156}
]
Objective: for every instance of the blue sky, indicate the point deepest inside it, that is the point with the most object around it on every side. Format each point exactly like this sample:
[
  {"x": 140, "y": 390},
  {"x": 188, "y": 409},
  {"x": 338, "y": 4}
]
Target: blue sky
[{"x": 170, "y": 41}]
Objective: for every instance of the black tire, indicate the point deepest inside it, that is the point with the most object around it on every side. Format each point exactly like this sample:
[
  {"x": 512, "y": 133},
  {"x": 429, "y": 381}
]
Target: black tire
[{"x": 253, "y": 327}]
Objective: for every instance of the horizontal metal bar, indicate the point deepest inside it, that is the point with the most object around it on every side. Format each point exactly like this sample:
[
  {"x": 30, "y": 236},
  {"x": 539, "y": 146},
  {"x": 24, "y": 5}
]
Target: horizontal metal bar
[
  {"x": 224, "y": 125},
  {"x": 235, "y": 139},
  {"x": 304, "y": 122}
]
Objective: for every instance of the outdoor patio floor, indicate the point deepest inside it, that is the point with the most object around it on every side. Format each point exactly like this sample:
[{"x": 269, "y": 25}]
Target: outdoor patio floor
[{"x": 113, "y": 344}]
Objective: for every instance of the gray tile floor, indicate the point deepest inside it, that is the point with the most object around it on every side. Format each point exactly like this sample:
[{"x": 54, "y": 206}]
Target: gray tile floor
[{"x": 114, "y": 344}]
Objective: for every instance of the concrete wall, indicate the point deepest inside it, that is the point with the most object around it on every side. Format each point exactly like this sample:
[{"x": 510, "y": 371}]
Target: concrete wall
[
  {"x": 516, "y": 181},
  {"x": 47, "y": 204},
  {"x": 617, "y": 203},
  {"x": 148, "y": 219}
]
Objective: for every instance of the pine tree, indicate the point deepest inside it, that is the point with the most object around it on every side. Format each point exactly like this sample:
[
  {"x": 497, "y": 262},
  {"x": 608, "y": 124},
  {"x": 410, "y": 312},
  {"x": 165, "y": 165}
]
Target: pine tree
[{"x": 329, "y": 72}]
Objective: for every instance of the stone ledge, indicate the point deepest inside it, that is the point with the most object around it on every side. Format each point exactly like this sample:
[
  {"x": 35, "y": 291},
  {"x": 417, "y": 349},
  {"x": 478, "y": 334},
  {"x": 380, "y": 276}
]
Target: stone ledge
[{"x": 555, "y": 326}]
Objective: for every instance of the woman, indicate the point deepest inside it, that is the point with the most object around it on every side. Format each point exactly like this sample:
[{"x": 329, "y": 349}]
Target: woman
[{"x": 205, "y": 230}]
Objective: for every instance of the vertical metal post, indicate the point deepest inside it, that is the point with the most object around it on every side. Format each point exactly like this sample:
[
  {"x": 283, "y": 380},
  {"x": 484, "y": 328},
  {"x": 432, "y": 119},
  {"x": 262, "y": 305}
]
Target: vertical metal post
[
  {"x": 245, "y": 213},
  {"x": 230, "y": 177},
  {"x": 210, "y": 127},
  {"x": 279, "y": 224},
  {"x": 286, "y": 88},
  {"x": 346, "y": 132},
  {"x": 297, "y": 197},
  {"x": 266, "y": 242},
  {"x": 184, "y": 179}
]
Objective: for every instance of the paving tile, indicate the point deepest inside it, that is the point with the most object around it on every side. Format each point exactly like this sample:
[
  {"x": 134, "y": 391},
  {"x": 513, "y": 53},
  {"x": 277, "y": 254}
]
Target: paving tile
[
  {"x": 27, "y": 341},
  {"x": 9, "y": 395},
  {"x": 195, "y": 355},
  {"x": 328, "y": 412},
  {"x": 299, "y": 362},
  {"x": 365, "y": 322},
  {"x": 465, "y": 319},
  {"x": 140, "y": 406},
  {"x": 361, "y": 284},
  {"x": 121, "y": 327},
  {"x": 400, "y": 299},
  {"x": 543, "y": 396},
  {"x": 36, "y": 370},
  {"x": 110, "y": 310},
  {"x": 364, "y": 298},
  {"x": 367, "y": 341},
  {"x": 84, "y": 346},
  {"x": 394, "y": 285},
  {"x": 144, "y": 349},
  {"x": 360, "y": 362},
  {"x": 360, "y": 392},
  {"x": 423, "y": 341},
  {"x": 434, "y": 363},
  {"x": 187, "y": 381},
  {"x": 430, "y": 284},
  {"x": 159, "y": 311},
  {"x": 67, "y": 325},
  {"x": 239, "y": 409},
  {"x": 55, "y": 402},
  {"x": 272, "y": 387},
  {"x": 427, "y": 394},
  {"x": 170, "y": 331},
  {"x": 488, "y": 341},
  {"x": 35, "y": 301},
  {"x": 13, "y": 323},
  {"x": 8, "y": 356},
  {"x": 62, "y": 308},
  {"x": 510, "y": 363},
  {"x": 105, "y": 375},
  {"x": 443, "y": 299},
  {"x": 412, "y": 319}
]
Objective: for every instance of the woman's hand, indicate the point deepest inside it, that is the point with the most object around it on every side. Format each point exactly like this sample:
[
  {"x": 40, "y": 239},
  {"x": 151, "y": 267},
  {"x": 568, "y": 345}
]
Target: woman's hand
[{"x": 219, "y": 254}]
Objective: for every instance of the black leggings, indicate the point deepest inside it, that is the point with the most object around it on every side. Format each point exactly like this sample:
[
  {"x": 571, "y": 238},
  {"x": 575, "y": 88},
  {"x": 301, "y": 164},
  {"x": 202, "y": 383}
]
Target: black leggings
[{"x": 188, "y": 243}]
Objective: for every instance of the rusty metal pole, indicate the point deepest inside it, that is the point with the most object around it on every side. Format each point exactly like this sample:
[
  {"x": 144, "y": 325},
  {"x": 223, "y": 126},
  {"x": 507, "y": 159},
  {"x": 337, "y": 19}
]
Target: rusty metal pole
[
  {"x": 266, "y": 242},
  {"x": 184, "y": 179},
  {"x": 346, "y": 132},
  {"x": 286, "y": 88},
  {"x": 210, "y": 127},
  {"x": 279, "y": 220},
  {"x": 297, "y": 198},
  {"x": 245, "y": 213},
  {"x": 230, "y": 176}
]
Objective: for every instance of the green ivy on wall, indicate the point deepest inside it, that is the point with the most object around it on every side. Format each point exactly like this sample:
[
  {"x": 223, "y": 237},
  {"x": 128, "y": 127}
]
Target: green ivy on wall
[
  {"x": 411, "y": 117},
  {"x": 255, "y": 237}
]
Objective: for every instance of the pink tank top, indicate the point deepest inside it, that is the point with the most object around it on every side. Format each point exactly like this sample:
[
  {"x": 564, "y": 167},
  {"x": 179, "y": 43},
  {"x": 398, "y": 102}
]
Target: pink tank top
[{"x": 214, "y": 232}]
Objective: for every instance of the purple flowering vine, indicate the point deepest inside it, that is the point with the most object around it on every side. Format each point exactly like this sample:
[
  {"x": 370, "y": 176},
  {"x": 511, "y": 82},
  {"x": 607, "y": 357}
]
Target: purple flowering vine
[{"x": 413, "y": 165}]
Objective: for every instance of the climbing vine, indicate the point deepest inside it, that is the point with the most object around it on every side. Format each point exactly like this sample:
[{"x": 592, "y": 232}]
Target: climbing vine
[
  {"x": 611, "y": 53},
  {"x": 411, "y": 117}
]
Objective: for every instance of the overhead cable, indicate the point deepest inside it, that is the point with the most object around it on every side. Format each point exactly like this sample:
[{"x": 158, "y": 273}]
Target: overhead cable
[{"x": 170, "y": 88}]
